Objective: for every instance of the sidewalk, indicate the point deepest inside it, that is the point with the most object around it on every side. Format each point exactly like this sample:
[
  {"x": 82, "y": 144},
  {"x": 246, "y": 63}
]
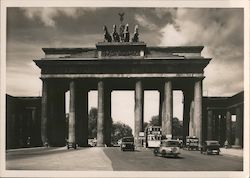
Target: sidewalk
[
  {"x": 232, "y": 152},
  {"x": 81, "y": 159}
]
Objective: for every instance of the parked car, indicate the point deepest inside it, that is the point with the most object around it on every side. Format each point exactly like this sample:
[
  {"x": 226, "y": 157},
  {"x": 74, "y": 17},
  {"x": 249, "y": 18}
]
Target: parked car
[
  {"x": 127, "y": 143},
  {"x": 119, "y": 142},
  {"x": 210, "y": 147},
  {"x": 168, "y": 148},
  {"x": 92, "y": 142},
  {"x": 192, "y": 143}
]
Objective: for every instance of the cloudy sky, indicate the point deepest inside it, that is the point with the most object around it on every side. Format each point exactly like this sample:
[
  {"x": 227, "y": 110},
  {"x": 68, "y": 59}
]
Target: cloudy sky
[{"x": 219, "y": 30}]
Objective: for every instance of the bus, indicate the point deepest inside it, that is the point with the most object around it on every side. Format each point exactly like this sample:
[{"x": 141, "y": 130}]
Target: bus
[{"x": 153, "y": 136}]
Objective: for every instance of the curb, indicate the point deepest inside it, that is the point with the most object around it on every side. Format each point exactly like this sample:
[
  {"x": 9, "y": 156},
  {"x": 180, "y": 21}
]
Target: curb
[{"x": 34, "y": 149}]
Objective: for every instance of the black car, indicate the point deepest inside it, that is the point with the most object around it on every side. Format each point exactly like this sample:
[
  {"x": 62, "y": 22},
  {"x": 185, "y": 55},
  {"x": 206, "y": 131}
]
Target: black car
[
  {"x": 210, "y": 147},
  {"x": 127, "y": 143}
]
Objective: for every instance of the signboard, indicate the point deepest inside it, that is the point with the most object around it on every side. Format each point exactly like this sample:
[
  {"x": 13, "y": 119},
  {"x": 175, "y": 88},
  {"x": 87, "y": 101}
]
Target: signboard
[
  {"x": 141, "y": 134},
  {"x": 168, "y": 136}
]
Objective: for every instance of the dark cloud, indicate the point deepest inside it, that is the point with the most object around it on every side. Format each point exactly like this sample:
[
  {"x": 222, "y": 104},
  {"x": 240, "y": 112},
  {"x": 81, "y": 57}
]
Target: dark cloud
[{"x": 220, "y": 30}]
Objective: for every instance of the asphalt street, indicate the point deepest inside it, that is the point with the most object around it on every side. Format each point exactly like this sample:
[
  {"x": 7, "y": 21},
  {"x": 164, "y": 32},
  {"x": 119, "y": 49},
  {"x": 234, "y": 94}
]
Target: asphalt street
[
  {"x": 113, "y": 159},
  {"x": 144, "y": 160}
]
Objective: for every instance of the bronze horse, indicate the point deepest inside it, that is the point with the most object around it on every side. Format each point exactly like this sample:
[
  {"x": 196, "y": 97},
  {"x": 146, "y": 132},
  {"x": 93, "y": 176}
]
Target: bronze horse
[{"x": 107, "y": 36}]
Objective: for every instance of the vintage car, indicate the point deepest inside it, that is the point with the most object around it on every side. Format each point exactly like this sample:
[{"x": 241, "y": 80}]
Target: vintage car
[
  {"x": 127, "y": 144},
  {"x": 92, "y": 142},
  {"x": 168, "y": 147},
  {"x": 192, "y": 143},
  {"x": 210, "y": 147},
  {"x": 119, "y": 142}
]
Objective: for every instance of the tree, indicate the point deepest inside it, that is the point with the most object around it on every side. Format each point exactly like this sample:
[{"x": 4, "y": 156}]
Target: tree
[
  {"x": 120, "y": 130},
  {"x": 176, "y": 125},
  {"x": 92, "y": 130},
  {"x": 155, "y": 121},
  {"x": 145, "y": 124}
]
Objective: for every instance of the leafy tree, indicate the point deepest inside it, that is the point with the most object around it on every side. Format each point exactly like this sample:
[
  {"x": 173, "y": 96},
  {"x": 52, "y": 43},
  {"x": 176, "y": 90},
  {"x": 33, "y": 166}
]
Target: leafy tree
[
  {"x": 92, "y": 130},
  {"x": 145, "y": 124},
  {"x": 176, "y": 125},
  {"x": 155, "y": 121},
  {"x": 120, "y": 130}
]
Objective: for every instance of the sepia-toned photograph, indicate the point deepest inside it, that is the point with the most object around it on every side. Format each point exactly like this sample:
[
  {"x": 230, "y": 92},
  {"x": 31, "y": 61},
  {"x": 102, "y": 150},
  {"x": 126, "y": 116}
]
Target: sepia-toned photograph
[{"x": 124, "y": 89}]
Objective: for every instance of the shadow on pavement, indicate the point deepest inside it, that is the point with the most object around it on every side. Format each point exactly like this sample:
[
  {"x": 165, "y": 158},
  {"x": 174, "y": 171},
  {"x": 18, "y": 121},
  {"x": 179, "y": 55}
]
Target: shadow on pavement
[{"x": 38, "y": 152}]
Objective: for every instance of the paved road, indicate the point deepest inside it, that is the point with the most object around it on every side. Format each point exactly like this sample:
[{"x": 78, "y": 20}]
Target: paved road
[
  {"x": 89, "y": 159},
  {"x": 188, "y": 161}
]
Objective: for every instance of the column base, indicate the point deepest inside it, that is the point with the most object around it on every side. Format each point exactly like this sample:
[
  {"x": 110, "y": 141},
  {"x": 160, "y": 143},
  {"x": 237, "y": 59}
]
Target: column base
[
  {"x": 82, "y": 145},
  {"x": 100, "y": 145},
  {"x": 237, "y": 142},
  {"x": 46, "y": 144},
  {"x": 71, "y": 145}
]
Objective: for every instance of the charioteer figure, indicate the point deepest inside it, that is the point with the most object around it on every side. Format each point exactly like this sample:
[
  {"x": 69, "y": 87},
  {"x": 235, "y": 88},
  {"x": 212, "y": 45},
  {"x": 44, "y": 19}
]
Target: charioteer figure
[
  {"x": 115, "y": 35},
  {"x": 136, "y": 35},
  {"x": 126, "y": 34},
  {"x": 107, "y": 36}
]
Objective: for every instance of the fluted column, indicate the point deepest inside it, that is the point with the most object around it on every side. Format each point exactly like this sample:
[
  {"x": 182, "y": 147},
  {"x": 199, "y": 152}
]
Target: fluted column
[
  {"x": 198, "y": 110},
  {"x": 81, "y": 116},
  {"x": 187, "y": 99},
  {"x": 191, "y": 120},
  {"x": 57, "y": 115},
  {"x": 161, "y": 99},
  {"x": 238, "y": 128},
  {"x": 167, "y": 110},
  {"x": 72, "y": 115},
  {"x": 108, "y": 119},
  {"x": 228, "y": 127},
  {"x": 139, "y": 100},
  {"x": 209, "y": 125},
  {"x": 101, "y": 115},
  {"x": 44, "y": 114}
]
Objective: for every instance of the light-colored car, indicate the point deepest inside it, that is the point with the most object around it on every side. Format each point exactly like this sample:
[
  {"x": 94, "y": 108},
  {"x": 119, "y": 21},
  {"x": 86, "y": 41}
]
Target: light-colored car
[
  {"x": 92, "y": 142},
  {"x": 119, "y": 142},
  {"x": 168, "y": 147}
]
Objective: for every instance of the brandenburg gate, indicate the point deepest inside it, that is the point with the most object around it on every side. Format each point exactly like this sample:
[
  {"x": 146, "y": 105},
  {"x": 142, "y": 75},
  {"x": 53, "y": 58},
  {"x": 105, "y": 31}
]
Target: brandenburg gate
[{"x": 118, "y": 63}]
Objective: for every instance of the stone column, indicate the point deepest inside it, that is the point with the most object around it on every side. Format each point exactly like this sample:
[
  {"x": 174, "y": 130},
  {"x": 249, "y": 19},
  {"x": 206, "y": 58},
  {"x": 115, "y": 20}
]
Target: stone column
[
  {"x": 100, "y": 117},
  {"x": 216, "y": 126},
  {"x": 81, "y": 116},
  {"x": 187, "y": 98},
  {"x": 209, "y": 124},
  {"x": 228, "y": 127},
  {"x": 44, "y": 114},
  {"x": 161, "y": 99},
  {"x": 191, "y": 120},
  {"x": 57, "y": 115},
  {"x": 108, "y": 119},
  {"x": 167, "y": 110},
  {"x": 139, "y": 100},
  {"x": 72, "y": 114},
  {"x": 198, "y": 110},
  {"x": 238, "y": 128}
]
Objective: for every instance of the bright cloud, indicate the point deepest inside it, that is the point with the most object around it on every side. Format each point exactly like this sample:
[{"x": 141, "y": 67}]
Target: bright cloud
[
  {"x": 145, "y": 22},
  {"x": 221, "y": 32},
  {"x": 48, "y": 15}
]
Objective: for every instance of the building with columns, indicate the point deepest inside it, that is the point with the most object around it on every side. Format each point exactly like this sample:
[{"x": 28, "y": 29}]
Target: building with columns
[
  {"x": 23, "y": 122},
  {"x": 223, "y": 119},
  {"x": 118, "y": 66},
  {"x": 219, "y": 117}
]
